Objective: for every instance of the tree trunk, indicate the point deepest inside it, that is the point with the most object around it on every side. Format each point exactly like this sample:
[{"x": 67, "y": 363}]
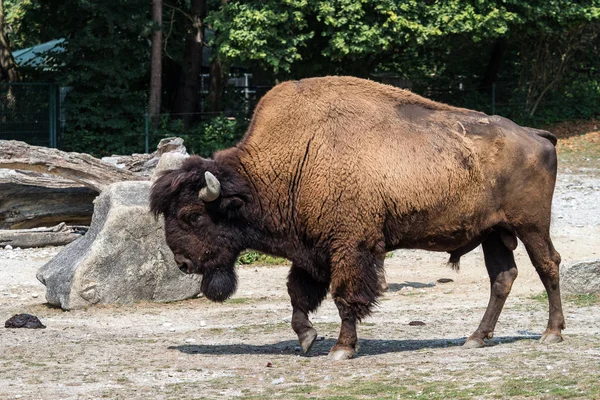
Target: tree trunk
[
  {"x": 188, "y": 93},
  {"x": 217, "y": 85},
  {"x": 78, "y": 167},
  {"x": 493, "y": 66},
  {"x": 156, "y": 64},
  {"x": 8, "y": 67}
]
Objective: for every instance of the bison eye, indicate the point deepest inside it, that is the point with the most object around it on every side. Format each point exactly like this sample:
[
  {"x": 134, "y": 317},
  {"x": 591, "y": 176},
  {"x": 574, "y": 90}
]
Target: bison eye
[{"x": 193, "y": 218}]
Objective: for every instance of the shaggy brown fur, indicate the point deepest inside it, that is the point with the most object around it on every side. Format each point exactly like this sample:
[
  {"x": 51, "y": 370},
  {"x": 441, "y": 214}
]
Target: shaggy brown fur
[{"x": 334, "y": 172}]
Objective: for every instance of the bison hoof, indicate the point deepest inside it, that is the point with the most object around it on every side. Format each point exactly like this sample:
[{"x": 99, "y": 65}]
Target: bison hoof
[
  {"x": 307, "y": 339},
  {"x": 473, "y": 343},
  {"x": 341, "y": 354},
  {"x": 551, "y": 337}
]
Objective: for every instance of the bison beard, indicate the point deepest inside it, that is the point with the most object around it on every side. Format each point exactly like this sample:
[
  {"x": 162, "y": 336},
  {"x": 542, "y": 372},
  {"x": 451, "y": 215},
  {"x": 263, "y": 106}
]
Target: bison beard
[
  {"x": 219, "y": 284},
  {"x": 334, "y": 172}
]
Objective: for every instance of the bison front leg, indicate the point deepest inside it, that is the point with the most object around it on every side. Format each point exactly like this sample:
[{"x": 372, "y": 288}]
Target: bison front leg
[
  {"x": 306, "y": 294},
  {"x": 355, "y": 288}
]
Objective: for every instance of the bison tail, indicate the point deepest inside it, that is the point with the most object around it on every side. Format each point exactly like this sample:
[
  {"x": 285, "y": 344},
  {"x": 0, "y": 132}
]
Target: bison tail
[{"x": 545, "y": 134}]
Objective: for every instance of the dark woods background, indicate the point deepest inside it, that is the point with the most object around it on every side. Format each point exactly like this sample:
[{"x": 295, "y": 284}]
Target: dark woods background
[{"x": 534, "y": 61}]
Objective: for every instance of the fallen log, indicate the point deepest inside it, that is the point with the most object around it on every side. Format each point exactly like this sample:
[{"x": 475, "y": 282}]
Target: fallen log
[
  {"x": 79, "y": 167},
  {"x": 30, "y": 199},
  {"x": 58, "y": 235}
]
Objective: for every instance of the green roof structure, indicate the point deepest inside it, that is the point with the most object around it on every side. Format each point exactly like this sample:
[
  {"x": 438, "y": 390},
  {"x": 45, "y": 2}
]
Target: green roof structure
[{"x": 40, "y": 56}]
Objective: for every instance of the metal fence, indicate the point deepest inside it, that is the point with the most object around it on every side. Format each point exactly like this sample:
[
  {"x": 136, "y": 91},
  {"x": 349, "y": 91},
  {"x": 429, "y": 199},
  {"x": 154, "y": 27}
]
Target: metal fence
[
  {"x": 34, "y": 113},
  {"x": 29, "y": 112}
]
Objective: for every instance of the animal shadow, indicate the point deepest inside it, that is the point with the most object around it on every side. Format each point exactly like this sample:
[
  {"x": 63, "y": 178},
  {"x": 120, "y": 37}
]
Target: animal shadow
[
  {"x": 368, "y": 347},
  {"x": 395, "y": 287}
]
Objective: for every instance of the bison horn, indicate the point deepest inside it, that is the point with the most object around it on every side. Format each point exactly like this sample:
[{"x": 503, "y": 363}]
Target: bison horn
[{"x": 212, "y": 190}]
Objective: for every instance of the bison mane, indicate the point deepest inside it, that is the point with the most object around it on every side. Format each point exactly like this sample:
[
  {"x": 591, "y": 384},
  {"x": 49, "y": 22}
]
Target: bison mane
[
  {"x": 191, "y": 177},
  {"x": 171, "y": 182}
]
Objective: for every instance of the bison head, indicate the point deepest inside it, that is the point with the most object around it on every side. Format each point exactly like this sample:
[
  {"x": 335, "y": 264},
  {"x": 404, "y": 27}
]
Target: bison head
[{"x": 203, "y": 206}]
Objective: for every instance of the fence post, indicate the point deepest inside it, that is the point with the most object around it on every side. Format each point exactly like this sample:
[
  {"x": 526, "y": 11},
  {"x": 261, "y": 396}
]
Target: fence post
[
  {"x": 147, "y": 132},
  {"x": 493, "y": 98},
  {"x": 52, "y": 115}
]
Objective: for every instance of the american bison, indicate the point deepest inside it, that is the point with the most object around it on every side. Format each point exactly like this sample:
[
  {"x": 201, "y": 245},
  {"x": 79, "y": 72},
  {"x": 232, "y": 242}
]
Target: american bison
[{"x": 336, "y": 171}]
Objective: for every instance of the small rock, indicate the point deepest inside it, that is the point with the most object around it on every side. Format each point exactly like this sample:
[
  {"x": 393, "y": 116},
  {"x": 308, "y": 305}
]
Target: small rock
[
  {"x": 24, "y": 321},
  {"x": 8, "y": 247},
  {"x": 202, "y": 323},
  {"x": 320, "y": 338},
  {"x": 416, "y": 323},
  {"x": 167, "y": 324},
  {"x": 269, "y": 365},
  {"x": 35, "y": 295},
  {"x": 190, "y": 340},
  {"x": 580, "y": 277},
  {"x": 287, "y": 319},
  {"x": 171, "y": 329},
  {"x": 445, "y": 280}
]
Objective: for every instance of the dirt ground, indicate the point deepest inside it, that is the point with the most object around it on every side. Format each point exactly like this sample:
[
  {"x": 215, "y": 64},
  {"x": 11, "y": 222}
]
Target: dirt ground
[{"x": 245, "y": 348}]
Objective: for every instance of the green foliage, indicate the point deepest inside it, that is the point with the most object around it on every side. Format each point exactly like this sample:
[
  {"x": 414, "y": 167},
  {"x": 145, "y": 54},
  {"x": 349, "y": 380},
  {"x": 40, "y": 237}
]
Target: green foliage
[
  {"x": 252, "y": 32},
  {"x": 105, "y": 63},
  {"x": 254, "y": 257},
  {"x": 547, "y": 72},
  {"x": 282, "y": 35},
  {"x": 21, "y": 34},
  {"x": 205, "y": 137}
]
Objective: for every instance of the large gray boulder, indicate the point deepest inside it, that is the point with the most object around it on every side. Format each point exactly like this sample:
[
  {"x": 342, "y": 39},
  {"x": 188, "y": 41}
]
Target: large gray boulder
[
  {"x": 580, "y": 277},
  {"x": 123, "y": 258}
]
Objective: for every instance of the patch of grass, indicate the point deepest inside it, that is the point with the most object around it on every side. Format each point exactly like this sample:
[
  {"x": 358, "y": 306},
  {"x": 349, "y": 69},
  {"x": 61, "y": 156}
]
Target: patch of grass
[
  {"x": 435, "y": 391},
  {"x": 416, "y": 389},
  {"x": 541, "y": 297},
  {"x": 372, "y": 389},
  {"x": 302, "y": 389},
  {"x": 583, "y": 300},
  {"x": 251, "y": 257},
  {"x": 579, "y": 300},
  {"x": 551, "y": 387}
]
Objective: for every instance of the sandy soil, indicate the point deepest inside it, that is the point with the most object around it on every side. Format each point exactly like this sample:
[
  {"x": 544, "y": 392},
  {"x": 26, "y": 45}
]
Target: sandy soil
[{"x": 246, "y": 348}]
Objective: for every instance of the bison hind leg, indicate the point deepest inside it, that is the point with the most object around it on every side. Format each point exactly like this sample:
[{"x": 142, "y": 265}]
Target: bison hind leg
[{"x": 502, "y": 271}]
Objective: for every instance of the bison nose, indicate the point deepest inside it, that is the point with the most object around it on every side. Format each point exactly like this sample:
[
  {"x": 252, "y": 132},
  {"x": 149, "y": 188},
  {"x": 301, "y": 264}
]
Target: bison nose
[{"x": 185, "y": 264}]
